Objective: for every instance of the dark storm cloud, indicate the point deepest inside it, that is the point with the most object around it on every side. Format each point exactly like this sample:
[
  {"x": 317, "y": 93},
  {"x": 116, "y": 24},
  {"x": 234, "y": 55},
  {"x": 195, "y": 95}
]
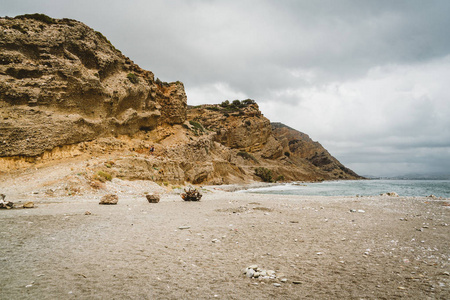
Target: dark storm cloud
[{"x": 355, "y": 75}]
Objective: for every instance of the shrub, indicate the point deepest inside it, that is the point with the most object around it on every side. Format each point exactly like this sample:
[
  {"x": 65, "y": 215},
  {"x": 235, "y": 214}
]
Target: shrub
[
  {"x": 248, "y": 102},
  {"x": 133, "y": 78},
  {"x": 102, "y": 176},
  {"x": 197, "y": 127},
  {"x": 39, "y": 17},
  {"x": 225, "y": 103},
  {"x": 236, "y": 103},
  {"x": 264, "y": 173},
  {"x": 247, "y": 156},
  {"x": 280, "y": 178}
]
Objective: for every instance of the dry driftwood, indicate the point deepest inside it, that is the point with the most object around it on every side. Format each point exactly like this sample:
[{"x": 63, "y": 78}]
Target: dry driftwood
[{"x": 191, "y": 194}]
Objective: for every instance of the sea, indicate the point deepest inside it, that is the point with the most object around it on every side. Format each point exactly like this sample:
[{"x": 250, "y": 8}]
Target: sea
[{"x": 373, "y": 187}]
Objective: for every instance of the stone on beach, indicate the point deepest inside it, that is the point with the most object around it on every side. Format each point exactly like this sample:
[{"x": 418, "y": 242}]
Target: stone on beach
[
  {"x": 153, "y": 198},
  {"x": 109, "y": 199},
  {"x": 29, "y": 204},
  {"x": 390, "y": 194}
]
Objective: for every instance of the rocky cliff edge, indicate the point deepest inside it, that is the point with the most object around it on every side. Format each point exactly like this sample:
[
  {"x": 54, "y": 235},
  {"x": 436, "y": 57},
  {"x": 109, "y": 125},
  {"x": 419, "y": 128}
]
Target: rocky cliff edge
[{"x": 67, "y": 93}]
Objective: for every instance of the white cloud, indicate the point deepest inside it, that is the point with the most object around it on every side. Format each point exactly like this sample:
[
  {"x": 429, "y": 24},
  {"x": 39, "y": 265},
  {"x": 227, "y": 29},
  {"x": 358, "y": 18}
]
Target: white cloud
[
  {"x": 212, "y": 93},
  {"x": 394, "y": 109}
]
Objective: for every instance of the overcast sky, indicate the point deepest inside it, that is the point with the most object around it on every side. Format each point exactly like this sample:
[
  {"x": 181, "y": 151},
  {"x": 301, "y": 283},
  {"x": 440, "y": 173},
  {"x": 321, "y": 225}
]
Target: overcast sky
[{"x": 369, "y": 80}]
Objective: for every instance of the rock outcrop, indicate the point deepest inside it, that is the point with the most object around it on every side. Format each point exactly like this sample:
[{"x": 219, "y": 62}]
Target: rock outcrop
[
  {"x": 66, "y": 91},
  {"x": 255, "y": 143},
  {"x": 63, "y": 83},
  {"x": 300, "y": 148}
]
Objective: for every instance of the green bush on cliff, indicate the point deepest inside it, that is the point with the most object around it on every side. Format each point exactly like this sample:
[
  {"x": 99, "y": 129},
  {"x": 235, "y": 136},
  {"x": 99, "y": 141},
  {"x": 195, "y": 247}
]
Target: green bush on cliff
[
  {"x": 133, "y": 78},
  {"x": 247, "y": 155},
  {"x": 264, "y": 173},
  {"x": 236, "y": 104},
  {"x": 279, "y": 178},
  {"x": 102, "y": 176},
  {"x": 197, "y": 128},
  {"x": 39, "y": 17}
]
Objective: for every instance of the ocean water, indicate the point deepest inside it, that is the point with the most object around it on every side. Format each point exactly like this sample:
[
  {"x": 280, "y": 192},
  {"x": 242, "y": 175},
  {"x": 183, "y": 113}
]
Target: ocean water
[{"x": 417, "y": 188}]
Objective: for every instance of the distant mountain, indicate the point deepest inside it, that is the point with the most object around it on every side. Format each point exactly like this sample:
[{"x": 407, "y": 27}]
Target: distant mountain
[{"x": 419, "y": 176}]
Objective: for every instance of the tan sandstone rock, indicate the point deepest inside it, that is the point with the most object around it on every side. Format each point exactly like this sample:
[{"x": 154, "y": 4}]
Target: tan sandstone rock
[
  {"x": 109, "y": 199},
  {"x": 153, "y": 198}
]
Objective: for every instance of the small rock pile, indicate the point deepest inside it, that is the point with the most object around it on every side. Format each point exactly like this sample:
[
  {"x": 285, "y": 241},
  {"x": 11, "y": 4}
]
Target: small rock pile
[{"x": 254, "y": 271}]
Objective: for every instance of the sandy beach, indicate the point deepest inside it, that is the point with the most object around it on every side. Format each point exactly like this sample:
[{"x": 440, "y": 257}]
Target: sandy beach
[{"x": 319, "y": 247}]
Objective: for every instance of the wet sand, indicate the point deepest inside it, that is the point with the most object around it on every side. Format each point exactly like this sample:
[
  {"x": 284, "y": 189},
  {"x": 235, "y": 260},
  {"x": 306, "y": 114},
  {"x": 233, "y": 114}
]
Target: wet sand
[{"x": 390, "y": 247}]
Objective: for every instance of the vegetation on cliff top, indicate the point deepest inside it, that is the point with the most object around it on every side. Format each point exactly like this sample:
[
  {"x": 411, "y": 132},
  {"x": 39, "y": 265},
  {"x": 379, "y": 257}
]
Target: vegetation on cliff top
[
  {"x": 234, "y": 106},
  {"x": 38, "y": 17}
]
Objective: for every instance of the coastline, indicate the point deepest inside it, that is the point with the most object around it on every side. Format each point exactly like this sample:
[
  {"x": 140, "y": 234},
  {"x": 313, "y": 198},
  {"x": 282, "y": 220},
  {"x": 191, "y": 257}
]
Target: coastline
[{"x": 325, "y": 247}]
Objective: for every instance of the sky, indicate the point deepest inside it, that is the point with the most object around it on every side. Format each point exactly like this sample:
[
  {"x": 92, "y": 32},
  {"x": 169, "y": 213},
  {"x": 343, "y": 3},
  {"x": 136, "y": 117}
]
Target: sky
[{"x": 369, "y": 80}]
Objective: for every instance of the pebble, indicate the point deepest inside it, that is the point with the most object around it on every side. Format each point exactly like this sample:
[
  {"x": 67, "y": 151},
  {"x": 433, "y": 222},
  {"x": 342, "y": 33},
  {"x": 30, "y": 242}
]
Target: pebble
[
  {"x": 250, "y": 273},
  {"x": 215, "y": 241},
  {"x": 284, "y": 280},
  {"x": 184, "y": 227},
  {"x": 277, "y": 284}
]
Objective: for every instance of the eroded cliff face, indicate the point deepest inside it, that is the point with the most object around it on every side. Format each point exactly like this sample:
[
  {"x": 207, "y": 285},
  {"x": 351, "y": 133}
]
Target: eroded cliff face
[
  {"x": 255, "y": 143},
  {"x": 300, "y": 148},
  {"x": 67, "y": 93},
  {"x": 63, "y": 83}
]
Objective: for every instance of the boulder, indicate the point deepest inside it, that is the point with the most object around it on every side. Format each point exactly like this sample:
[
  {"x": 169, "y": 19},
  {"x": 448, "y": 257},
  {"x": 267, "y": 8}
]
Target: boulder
[
  {"x": 109, "y": 199},
  {"x": 29, "y": 204},
  {"x": 152, "y": 198}
]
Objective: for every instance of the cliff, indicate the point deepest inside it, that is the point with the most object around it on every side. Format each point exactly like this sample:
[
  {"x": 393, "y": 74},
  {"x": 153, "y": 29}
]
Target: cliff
[
  {"x": 63, "y": 83},
  {"x": 255, "y": 143},
  {"x": 67, "y": 93}
]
